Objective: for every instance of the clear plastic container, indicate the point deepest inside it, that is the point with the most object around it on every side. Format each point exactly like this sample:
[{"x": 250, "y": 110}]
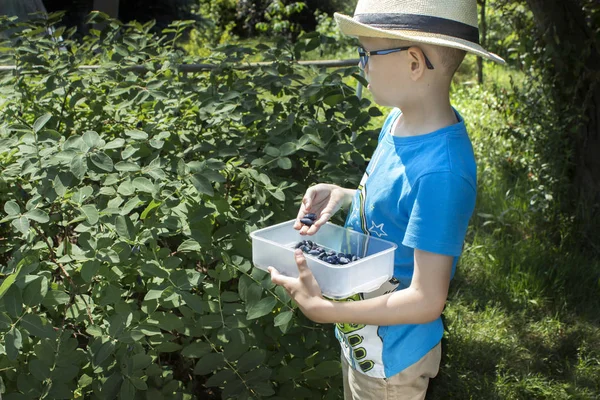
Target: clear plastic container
[{"x": 274, "y": 246}]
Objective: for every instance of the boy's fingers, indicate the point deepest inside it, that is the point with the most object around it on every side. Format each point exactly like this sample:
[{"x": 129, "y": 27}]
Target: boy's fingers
[
  {"x": 277, "y": 278},
  {"x": 318, "y": 223},
  {"x": 307, "y": 200},
  {"x": 301, "y": 262}
]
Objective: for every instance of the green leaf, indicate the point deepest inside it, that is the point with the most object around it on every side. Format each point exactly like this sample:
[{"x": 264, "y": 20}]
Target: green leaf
[
  {"x": 126, "y": 188},
  {"x": 220, "y": 378},
  {"x": 127, "y": 390},
  {"x": 78, "y": 167},
  {"x": 39, "y": 370},
  {"x": 196, "y": 350},
  {"x": 56, "y": 297},
  {"x": 283, "y": 318},
  {"x": 35, "y": 326},
  {"x": 137, "y": 135},
  {"x": 153, "y": 204},
  {"x": 278, "y": 194},
  {"x": 115, "y": 144},
  {"x": 13, "y": 301},
  {"x": 251, "y": 360},
  {"x": 13, "y": 341},
  {"x": 141, "y": 361},
  {"x": 104, "y": 352},
  {"x": 143, "y": 184},
  {"x": 152, "y": 269},
  {"x": 82, "y": 194},
  {"x": 209, "y": 363},
  {"x": 91, "y": 214},
  {"x": 38, "y": 215},
  {"x": 202, "y": 184},
  {"x": 139, "y": 383},
  {"x": 193, "y": 301},
  {"x": 189, "y": 245},
  {"x": 92, "y": 139},
  {"x": 89, "y": 270},
  {"x": 125, "y": 227},
  {"x": 262, "y": 308},
  {"x": 94, "y": 330},
  {"x": 153, "y": 294},
  {"x": 22, "y": 224},
  {"x": 333, "y": 99},
  {"x": 102, "y": 161},
  {"x": 284, "y": 163},
  {"x": 35, "y": 291},
  {"x": 328, "y": 368},
  {"x": 41, "y": 121},
  {"x": 126, "y": 166},
  {"x": 5, "y": 322},
  {"x": 272, "y": 151},
  {"x": 287, "y": 148},
  {"x": 130, "y": 205},
  {"x": 6, "y": 284},
  {"x": 12, "y": 208}
]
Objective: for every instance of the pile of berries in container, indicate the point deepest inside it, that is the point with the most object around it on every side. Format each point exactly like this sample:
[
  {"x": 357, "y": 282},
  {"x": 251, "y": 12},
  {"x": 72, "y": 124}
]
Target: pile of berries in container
[{"x": 327, "y": 255}]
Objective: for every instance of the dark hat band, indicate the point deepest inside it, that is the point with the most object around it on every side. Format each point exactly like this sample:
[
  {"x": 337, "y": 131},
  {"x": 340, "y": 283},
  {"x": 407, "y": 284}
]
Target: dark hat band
[{"x": 422, "y": 23}]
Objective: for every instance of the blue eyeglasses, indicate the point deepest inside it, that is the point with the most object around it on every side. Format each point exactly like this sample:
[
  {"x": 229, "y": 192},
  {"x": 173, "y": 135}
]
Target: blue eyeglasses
[{"x": 364, "y": 55}]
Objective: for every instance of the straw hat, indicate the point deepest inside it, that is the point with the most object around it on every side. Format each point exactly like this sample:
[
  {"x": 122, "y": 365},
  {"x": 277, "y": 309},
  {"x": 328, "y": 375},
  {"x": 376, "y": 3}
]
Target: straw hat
[{"x": 439, "y": 22}]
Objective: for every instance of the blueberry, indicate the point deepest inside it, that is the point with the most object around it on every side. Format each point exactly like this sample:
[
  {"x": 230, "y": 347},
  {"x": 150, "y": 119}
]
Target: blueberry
[
  {"x": 305, "y": 249},
  {"x": 307, "y": 221},
  {"x": 344, "y": 260},
  {"x": 298, "y": 245},
  {"x": 331, "y": 253},
  {"x": 314, "y": 253},
  {"x": 310, "y": 243},
  {"x": 312, "y": 216}
]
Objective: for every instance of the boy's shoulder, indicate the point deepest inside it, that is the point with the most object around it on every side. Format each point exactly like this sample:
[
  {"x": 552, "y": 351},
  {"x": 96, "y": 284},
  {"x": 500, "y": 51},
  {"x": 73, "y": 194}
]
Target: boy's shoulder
[{"x": 448, "y": 150}]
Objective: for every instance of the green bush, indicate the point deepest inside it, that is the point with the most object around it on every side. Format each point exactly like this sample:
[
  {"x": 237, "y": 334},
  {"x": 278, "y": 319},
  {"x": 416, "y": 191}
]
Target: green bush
[{"x": 128, "y": 199}]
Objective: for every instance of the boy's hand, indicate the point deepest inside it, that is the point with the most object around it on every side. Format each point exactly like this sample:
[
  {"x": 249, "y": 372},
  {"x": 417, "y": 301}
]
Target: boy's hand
[
  {"x": 324, "y": 200},
  {"x": 304, "y": 290}
]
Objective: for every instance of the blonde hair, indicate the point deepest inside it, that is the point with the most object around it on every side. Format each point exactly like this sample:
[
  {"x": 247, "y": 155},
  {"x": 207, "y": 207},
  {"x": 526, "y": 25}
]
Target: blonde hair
[{"x": 451, "y": 58}]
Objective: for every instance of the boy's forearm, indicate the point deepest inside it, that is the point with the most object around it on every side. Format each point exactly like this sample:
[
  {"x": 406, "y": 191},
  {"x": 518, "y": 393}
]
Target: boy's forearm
[{"x": 407, "y": 306}]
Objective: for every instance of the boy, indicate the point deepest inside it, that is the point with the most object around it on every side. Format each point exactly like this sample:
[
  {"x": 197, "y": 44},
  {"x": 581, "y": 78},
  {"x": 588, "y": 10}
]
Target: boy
[{"x": 419, "y": 191}]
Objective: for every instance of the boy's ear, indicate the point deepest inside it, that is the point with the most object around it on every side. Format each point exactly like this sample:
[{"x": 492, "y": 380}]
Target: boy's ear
[{"x": 417, "y": 62}]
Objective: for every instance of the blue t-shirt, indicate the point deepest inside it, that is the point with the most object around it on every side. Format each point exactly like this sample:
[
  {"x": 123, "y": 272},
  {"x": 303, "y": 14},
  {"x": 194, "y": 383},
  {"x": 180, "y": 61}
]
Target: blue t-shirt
[{"x": 418, "y": 192}]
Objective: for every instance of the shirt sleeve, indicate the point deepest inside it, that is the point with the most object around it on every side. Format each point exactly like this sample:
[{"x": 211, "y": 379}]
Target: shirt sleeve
[{"x": 443, "y": 205}]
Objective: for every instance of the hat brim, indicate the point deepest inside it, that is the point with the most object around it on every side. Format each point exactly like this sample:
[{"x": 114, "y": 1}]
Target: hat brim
[{"x": 351, "y": 27}]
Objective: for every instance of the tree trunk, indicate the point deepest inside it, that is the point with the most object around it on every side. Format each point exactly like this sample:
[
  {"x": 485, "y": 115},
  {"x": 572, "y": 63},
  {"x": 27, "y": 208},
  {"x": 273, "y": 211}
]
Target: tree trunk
[
  {"x": 483, "y": 25},
  {"x": 575, "y": 53}
]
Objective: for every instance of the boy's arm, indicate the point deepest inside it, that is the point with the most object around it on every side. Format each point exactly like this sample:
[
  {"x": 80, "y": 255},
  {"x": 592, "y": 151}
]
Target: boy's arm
[{"x": 422, "y": 302}]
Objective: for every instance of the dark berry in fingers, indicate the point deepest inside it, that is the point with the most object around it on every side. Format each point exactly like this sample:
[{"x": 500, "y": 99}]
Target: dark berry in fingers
[
  {"x": 312, "y": 216},
  {"x": 307, "y": 221}
]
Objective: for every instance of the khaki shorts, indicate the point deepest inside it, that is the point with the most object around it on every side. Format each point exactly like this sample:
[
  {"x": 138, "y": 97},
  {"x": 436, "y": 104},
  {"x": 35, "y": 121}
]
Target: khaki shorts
[{"x": 409, "y": 384}]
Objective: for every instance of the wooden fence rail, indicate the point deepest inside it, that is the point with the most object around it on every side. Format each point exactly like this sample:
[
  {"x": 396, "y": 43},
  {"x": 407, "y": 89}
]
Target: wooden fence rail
[{"x": 203, "y": 67}]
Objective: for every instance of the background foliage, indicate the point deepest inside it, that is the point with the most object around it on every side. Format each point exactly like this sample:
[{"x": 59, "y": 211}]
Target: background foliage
[{"x": 128, "y": 198}]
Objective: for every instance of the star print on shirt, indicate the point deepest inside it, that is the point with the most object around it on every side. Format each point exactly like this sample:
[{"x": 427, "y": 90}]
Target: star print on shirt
[{"x": 377, "y": 229}]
